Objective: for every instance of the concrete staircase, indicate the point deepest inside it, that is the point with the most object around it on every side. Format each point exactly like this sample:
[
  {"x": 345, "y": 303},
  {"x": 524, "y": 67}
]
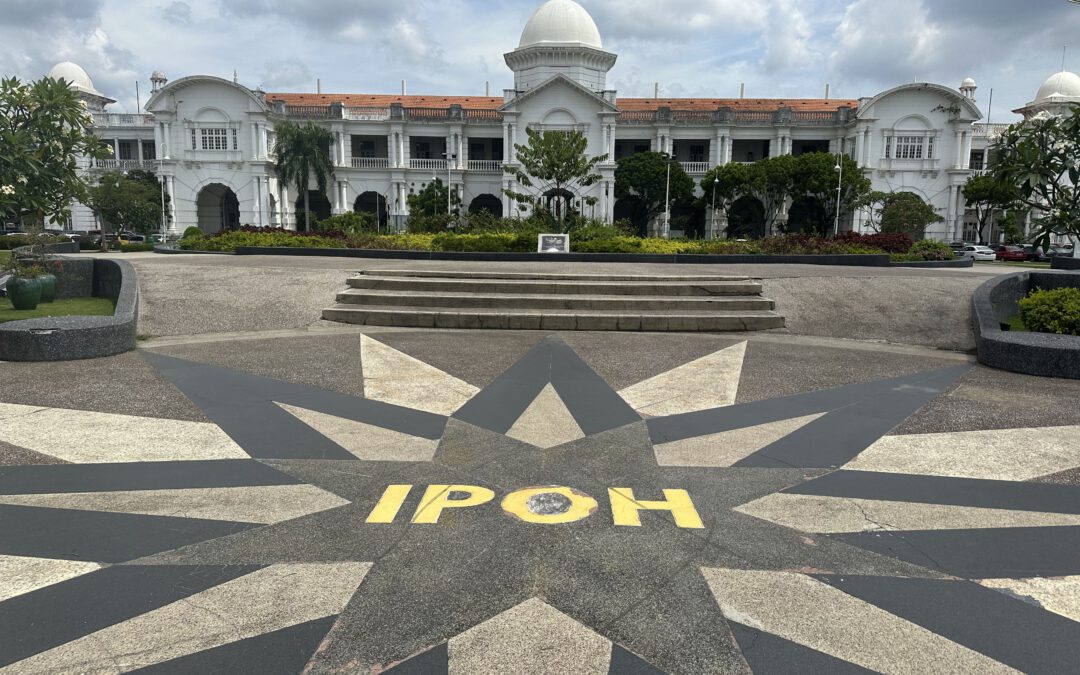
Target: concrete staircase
[{"x": 528, "y": 301}]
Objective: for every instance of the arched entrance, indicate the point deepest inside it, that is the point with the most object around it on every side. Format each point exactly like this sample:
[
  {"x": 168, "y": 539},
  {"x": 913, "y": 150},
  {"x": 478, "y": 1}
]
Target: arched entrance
[
  {"x": 807, "y": 215},
  {"x": 489, "y": 203},
  {"x": 320, "y": 208},
  {"x": 373, "y": 203},
  {"x": 746, "y": 219},
  {"x": 559, "y": 203},
  {"x": 689, "y": 218},
  {"x": 218, "y": 209}
]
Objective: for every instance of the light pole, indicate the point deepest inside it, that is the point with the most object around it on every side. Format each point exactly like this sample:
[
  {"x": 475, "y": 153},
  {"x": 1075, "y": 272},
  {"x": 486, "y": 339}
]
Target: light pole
[
  {"x": 449, "y": 163},
  {"x": 161, "y": 177},
  {"x": 715, "y": 180},
  {"x": 667, "y": 204},
  {"x": 839, "y": 187}
]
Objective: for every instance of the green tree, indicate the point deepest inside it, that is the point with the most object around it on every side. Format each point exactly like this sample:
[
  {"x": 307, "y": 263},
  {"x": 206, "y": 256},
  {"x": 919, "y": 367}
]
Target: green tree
[
  {"x": 432, "y": 200},
  {"x": 1041, "y": 157},
  {"x": 127, "y": 200},
  {"x": 988, "y": 194},
  {"x": 906, "y": 212},
  {"x": 872, "y": 203},
  {"x": 725, "y": 184},
  {"x": 44, "y": 129},
  {"x": 642, "y": 178},
  {"x": 301, "y": 151},
  {"x": 1014, "y": 234},
  {"x": 816, "y": 177},
  {"x": 553, "y": 165},
  {"x": 772, "y": 181}
]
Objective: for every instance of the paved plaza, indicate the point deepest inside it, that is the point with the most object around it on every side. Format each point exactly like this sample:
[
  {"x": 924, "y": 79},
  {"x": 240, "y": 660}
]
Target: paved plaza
[{"x": 334, "y": 500}]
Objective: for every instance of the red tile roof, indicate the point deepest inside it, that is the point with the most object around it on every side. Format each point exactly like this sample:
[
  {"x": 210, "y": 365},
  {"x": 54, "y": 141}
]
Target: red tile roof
[
  {"x": 384, "y": 100},
  {"x": 750, "y": 104},
  {"x": 493, "y": 103}
]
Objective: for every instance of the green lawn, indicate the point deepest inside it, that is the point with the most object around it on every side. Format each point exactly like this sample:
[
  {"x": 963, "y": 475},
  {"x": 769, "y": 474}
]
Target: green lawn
[
  {"x": 69, "y": 307},
  {"x": 1016, "y": 325},
  {"x": 5, "y": 259}
]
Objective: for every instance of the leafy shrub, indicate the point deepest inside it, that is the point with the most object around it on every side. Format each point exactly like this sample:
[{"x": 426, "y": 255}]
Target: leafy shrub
[
  {"x": 419, "y": 223},
  {"x": 889, "y": 242},
  {"x": 925, "y": 250},
  {"x": 14, "y": 241},
  {"x": 492, "y": 242},
  {"x": 191, "y": 232},
  {"x": 1056, "y": 311},
  {"x": 349, "y": 223},
  {"x": 136, "y": 248},
  {"x": 806, "y": 244},
  {"x": 263, "y": 237}
]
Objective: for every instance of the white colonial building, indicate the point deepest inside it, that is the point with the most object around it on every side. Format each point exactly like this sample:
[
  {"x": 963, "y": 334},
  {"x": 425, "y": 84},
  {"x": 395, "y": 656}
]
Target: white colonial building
[{"x": 211, "y": 138}]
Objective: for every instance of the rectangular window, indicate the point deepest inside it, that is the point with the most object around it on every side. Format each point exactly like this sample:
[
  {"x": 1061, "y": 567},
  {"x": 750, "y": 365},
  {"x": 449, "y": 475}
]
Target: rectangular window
[
  {"x": 476, "y": 151},
  {"x": 149, "y": 151},
  {"x": 909, "y": 147},
  {"x": 929, "y": 147},
  {"x": 422, "y": 151},
  {"x": 697, "y": 153},
  {"x": 214, "y": 139},
  {"x": 977, "y": 163}
]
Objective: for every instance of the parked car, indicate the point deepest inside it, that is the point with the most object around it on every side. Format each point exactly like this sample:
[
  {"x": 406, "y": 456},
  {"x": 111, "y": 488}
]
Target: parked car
[
  {"x": 1012, "y": 254},
  {"x": 977, "y": 253}
]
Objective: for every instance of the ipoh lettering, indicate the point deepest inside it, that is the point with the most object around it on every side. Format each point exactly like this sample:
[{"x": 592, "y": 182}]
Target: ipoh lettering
[{"x": 544, "y": 505}]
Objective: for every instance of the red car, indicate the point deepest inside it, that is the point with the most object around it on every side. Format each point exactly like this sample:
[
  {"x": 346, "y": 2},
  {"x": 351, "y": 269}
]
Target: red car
[{"x": 1012, "y": 253}]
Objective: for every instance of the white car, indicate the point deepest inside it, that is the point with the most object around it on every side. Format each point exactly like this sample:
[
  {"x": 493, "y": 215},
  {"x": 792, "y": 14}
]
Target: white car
[{"x": 977, "y": 253}]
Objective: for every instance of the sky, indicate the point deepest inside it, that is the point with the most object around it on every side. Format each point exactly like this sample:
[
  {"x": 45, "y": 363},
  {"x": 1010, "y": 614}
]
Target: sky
[{"x": 707, "y": 48}]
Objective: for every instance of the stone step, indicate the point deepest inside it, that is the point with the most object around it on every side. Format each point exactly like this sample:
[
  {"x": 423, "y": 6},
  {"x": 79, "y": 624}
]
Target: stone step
[
  {"x": 545, "y": 276},
  {"x": 646, "y": 321},
  {"x": 359, "y": 296},
  {"x": 679, "y": 288}
]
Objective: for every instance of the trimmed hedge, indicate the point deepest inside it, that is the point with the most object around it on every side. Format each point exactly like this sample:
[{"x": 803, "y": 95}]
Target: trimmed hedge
[
  {"x": 1055, "y": 311},
  {"x": 586, "y": 240},
  {"x": 13, "y": 241},
  {"x": 925, "y": 250},
  {"x": 136, "y": 248}
]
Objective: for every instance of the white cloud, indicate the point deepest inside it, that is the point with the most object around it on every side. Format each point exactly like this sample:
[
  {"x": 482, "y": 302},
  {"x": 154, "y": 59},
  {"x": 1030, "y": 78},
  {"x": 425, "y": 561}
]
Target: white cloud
[{"x": 887, "y": 39}]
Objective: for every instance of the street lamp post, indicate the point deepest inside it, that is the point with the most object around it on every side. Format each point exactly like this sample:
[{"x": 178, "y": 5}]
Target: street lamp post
[
  {"x": 715, "y": 180},
  {"x": 839, "y": 187},
  {"x": 161, "y": 177},
  {"x": 667, "y": 204},
  {"x": 449, "y": 163}
]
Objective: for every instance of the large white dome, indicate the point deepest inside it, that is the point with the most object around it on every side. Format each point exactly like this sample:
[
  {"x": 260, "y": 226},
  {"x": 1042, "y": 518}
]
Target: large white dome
[
  {"x": 74, "y": 75},
  {"x": 1060, "y": 85},
  {"x": 561, "y": 22}
]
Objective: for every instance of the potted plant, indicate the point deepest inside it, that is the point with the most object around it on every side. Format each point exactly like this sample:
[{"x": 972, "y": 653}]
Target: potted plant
[
  {"x": 23, "y": 287},
  {"x": 48, "y": 280}
]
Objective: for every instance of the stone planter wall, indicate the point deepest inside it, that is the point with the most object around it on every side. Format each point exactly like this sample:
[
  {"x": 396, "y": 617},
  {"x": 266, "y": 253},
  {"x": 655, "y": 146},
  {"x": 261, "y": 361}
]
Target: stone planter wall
[
  {"x": 1040, "y": 354},
  {"x": 80, "y": 337}
]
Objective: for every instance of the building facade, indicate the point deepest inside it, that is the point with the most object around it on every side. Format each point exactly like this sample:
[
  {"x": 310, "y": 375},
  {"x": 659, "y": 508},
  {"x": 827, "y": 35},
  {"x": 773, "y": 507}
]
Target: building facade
[{"x": 211, "y": 139}]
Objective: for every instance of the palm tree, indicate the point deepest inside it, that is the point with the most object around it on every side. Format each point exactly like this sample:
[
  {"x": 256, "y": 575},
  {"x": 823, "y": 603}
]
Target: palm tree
[{"x": 299, "y": 152}]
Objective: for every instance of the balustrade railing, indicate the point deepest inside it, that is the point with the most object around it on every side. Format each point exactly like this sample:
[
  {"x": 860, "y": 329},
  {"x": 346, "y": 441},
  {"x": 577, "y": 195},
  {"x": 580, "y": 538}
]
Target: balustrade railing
[
  {"x": 126, "y": 164},
  {"x": 371, "y": 162},
  {"x": 695, "y": 167},
  {"x": 665, "y": 116},
  {"x": 429, "y": 164},
  {"x": 367, "y": 114},
  {"x": 308, "y": 111},
  {"x": 122, "y": 120},
  {"x": 489, "y": 165},
  {"x": 479, "y": 116}
]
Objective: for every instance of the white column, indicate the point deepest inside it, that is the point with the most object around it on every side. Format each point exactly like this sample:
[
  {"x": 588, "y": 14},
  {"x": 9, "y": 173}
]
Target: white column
[
  {"x": 167, "y": 140},
  {"x": 170, "y": 184},
  {"x": 254, "y": 143},
  {"x": 341, "y": 147},
  {"x": 950, "y": 212},
  {"x": 959, "y": 150},
  {"x": 406, "y": 153},
  {"x": 967, "y": 150},
  {"x": 116, "y": 149}
]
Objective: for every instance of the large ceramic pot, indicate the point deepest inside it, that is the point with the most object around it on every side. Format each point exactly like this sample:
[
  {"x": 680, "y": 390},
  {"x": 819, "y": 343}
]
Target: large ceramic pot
[
  {"x": 24, "y": 293},
  {"x": 48, "y": 287}
]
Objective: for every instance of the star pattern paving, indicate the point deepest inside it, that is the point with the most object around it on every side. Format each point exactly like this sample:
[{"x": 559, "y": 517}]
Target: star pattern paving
[{"x": 259, "y": 544}]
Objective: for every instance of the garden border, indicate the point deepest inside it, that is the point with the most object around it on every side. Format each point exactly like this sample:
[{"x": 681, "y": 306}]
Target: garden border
[
  {"x": 959, "y": 263},
  {"x": 1042, "y": 354},
  {"x": 1062, "y": 263},
  {"x": 70, "y": 338}
]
